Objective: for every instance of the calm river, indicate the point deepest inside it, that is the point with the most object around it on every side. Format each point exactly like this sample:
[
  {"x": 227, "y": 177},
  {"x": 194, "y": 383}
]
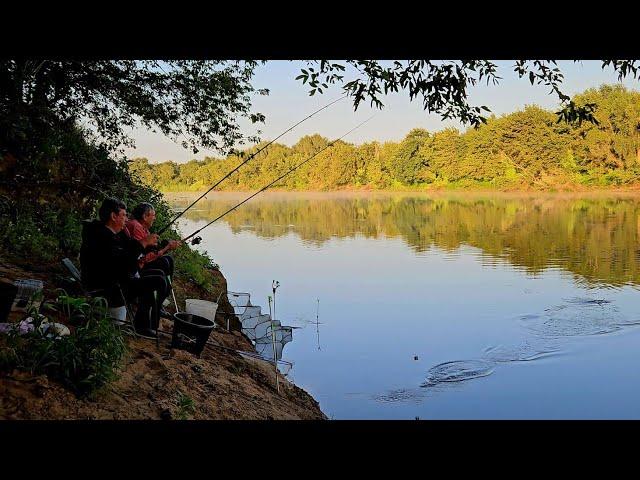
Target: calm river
[{"x": 449, "y": 306}]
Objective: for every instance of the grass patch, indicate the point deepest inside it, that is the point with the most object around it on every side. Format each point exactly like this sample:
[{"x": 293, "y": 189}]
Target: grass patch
[
  {"x": 84, "y": 361},
  {"x": 186, "y": 406}
]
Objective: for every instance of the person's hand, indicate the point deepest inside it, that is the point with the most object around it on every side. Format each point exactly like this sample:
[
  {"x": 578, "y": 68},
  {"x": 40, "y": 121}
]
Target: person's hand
[
  {"x": 173, "y": 244},
  {"x": 151, "y": 239}
]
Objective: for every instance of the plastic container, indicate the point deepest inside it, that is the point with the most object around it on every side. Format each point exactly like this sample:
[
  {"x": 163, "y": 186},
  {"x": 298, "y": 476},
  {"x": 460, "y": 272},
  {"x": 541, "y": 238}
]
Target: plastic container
[
  {"x": 118, "y": 313},
  {"x": 190, "y": 332},
  {"x": 203, "y": 308},
  {"x": 27, "y": 289}
]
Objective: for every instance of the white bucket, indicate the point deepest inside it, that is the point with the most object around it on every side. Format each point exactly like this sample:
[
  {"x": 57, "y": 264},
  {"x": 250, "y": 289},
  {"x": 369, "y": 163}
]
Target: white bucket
[
  {"x": 118, "y": 313},
  {"x": 203, "y": 308},
  {"x": 27, "y": 289}
]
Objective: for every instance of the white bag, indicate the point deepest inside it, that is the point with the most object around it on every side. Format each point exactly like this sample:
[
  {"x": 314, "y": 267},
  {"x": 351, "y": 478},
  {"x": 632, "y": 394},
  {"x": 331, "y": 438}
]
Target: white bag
[
  {"x": 203, "y": 308},
  {"x": 118, "y": 313}
]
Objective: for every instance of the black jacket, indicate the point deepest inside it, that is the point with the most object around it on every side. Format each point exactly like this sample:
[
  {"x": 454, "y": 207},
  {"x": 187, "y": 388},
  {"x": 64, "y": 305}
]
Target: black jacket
[{"x": 107, "y": 258}]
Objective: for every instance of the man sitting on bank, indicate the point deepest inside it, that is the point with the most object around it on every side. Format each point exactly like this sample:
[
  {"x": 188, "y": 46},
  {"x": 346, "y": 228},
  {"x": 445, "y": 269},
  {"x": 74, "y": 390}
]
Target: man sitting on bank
[
  {"x": 144, "y": 215},
  {"x": 109, "y": 262}
]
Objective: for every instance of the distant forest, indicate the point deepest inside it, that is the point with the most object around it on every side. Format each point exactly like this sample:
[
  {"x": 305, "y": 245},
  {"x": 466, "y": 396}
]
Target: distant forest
[{"x": 527, "y": 149}]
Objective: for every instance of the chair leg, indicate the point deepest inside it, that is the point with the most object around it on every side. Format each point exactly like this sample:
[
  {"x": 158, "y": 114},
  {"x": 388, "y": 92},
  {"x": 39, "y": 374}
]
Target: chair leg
[
  {"x": 129, "y": 313},
  {"x": 131, "y": 318},
  {"x": 172, "y": 293},
  {"x": 155, "y": 299}
]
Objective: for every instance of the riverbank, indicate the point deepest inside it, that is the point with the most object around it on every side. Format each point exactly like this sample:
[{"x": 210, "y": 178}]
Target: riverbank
[
  {"x": 159, "y": 383},
  {"x": 631, "y": 191}
]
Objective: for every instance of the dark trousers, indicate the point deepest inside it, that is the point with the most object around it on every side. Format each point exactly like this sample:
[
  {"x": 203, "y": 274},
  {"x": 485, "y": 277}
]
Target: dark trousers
[
  {"x": 150, "y": 289},
  {"x": 8, "y": 293},
  {"x": 164, "y": 263}
]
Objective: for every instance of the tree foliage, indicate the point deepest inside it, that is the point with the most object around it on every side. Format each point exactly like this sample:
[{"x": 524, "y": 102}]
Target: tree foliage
[
  {"x": 443, "y": 86},
  {"x": 196, "y": 103},
  {"x": 524, "y": 148},
  {"x": 200, "y": 103}
]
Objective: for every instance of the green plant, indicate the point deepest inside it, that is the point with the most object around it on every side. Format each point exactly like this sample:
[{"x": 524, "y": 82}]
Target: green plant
[
  {"x": 84, "y": 361},
  {"x": 193, "y": 265},
  {"x": 28, "y": 238},
  {"x": 186, "y": 406},
  {"x": 237, "y": 368}
]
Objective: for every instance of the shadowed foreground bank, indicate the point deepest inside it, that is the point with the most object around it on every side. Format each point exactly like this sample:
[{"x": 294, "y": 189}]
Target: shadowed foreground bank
[{"x": 157, "y": 383}]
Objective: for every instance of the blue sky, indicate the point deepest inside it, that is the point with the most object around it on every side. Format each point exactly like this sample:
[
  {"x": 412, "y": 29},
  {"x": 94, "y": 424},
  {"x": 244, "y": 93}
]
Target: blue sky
[{"x": 289, "y": 101}]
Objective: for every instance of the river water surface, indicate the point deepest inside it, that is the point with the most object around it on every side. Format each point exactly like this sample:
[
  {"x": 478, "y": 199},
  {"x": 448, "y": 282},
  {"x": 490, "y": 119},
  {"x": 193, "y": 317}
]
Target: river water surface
[{"x": 450, "y": 306}]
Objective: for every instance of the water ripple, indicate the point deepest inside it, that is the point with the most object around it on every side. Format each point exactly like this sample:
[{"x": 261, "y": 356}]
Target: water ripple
[
  {"x": 457, "y": 371},
  {"x": 525, "y": 352},
  {"x": 401, "y": 395},
  {"x": 577, "y": 317}
]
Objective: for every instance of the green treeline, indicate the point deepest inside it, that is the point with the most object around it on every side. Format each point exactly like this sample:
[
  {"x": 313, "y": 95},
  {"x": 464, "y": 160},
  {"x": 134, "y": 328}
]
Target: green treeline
[{"x": 524, "y": 149}]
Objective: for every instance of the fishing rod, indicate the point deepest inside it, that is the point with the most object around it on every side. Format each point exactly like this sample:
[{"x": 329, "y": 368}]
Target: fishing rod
[
  {"x": 197, "y": 240},
  {"x": 241, "y": 164},
  {"x": 318, "y": 323}
]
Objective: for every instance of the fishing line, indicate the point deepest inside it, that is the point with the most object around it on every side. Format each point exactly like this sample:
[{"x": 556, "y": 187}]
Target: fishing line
[
  {"x": 330, "y": 144},
  {"x": 245, "y": 161}
]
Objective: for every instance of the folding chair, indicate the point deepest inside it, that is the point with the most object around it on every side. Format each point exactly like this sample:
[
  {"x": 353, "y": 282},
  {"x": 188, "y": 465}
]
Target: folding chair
[
  {"x": 173, "y": 293},
  {"x": 77, "y": 278}
]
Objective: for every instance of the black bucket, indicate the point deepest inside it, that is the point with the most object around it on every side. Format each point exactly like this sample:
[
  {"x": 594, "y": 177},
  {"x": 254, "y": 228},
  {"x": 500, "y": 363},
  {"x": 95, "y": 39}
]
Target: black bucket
[
  {"x": 8, "y": 293},
  {"x": 190, "y": 332}
]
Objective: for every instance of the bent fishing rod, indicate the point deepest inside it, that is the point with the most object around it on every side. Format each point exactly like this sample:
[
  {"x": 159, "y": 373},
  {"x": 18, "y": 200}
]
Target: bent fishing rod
[
  {"x": 196, "y": 240},
  {"x": 245, "y": 161}
]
